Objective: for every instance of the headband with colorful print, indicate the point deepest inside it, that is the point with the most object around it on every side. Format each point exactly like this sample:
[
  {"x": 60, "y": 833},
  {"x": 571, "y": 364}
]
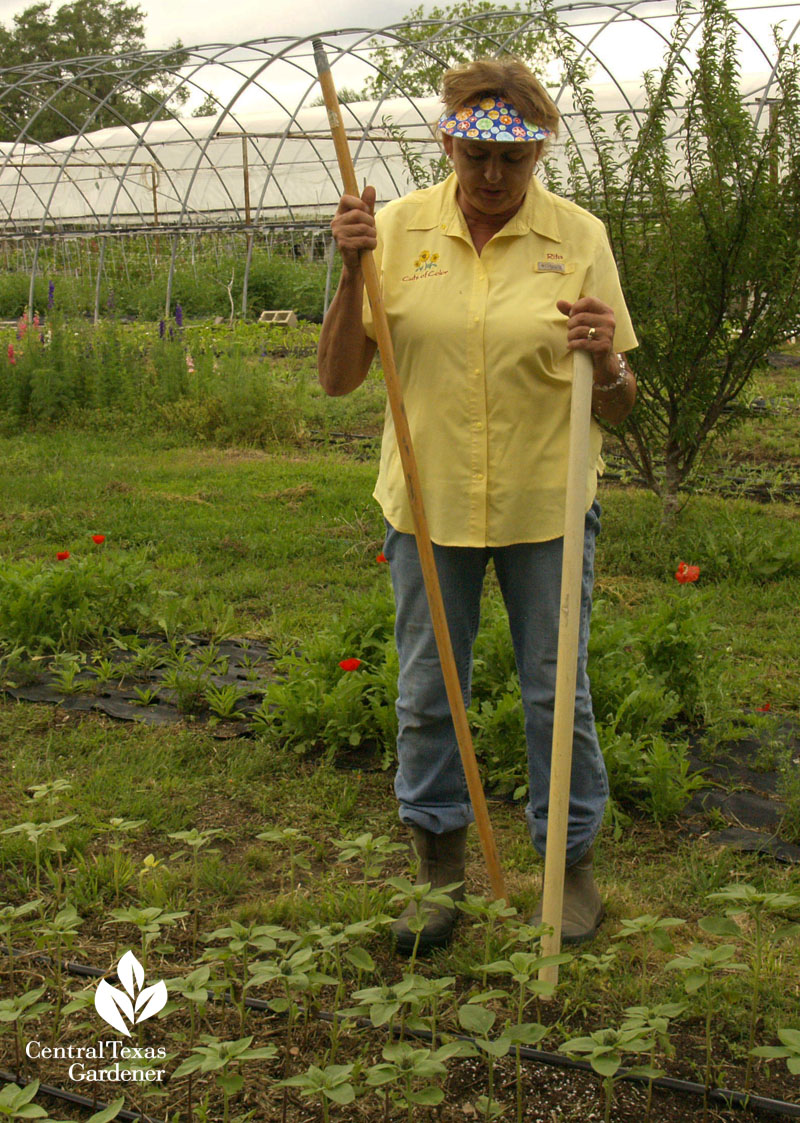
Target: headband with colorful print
[{"x": 491, "y": 119}]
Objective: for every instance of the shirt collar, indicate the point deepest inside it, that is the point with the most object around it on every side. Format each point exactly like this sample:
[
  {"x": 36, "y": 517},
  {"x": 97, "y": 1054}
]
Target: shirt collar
[{"x": 439, "y": 208}]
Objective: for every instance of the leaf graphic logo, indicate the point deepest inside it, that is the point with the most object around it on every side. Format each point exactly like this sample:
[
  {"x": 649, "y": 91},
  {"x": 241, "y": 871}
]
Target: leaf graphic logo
[{"x": 121, "y": 1008}]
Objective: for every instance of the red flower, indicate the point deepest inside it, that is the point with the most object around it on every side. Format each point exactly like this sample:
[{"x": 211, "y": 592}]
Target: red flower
[
  {"x": 381, "y": 558},
  {"x": 350, "y": 664},
  {"x": 687, "y": 573},
  {"x": 763, "y": 709},
  {"x": 98, "y": 538},
  {"x": 62, "y": 556},
  {"x": 11, "y": 357}
]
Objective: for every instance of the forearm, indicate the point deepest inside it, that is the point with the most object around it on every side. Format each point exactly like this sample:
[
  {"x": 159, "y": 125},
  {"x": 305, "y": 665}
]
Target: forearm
[
  {"x": 345, "y": 350},
  {"x": 614, "y": 391}
]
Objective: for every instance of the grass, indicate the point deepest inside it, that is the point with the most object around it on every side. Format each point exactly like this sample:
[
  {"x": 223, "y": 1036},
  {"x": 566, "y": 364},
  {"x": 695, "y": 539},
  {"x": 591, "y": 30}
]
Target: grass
[{"x": 286, "y": 537}]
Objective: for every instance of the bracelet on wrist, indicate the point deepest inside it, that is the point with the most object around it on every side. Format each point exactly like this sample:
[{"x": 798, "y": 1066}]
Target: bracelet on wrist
[{"x": 619, "y": 381}]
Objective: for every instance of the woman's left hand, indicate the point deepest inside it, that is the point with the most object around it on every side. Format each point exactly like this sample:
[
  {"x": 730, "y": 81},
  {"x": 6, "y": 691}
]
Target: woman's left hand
[{"x": 590, "y": 327}]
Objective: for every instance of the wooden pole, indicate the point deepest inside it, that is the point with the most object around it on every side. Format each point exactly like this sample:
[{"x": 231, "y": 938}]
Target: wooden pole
[
  {"x": 567, "y": 659},
  {"x": 408, "y": 459}
]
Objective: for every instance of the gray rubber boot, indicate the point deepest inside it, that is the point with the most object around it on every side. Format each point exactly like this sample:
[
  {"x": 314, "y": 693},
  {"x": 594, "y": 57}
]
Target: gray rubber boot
[
  {"x": 583, "y": 907},
  {"x": 441, "y": 862}
]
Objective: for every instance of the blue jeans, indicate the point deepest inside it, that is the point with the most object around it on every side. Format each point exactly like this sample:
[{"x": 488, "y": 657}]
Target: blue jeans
[{"x": 430, "y": 784}]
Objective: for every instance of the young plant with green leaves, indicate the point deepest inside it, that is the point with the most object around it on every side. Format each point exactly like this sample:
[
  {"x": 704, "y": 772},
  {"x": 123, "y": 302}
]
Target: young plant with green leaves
[
  {"x": 41, "y": 835},
  {"x": 758, "y": 905},
  {"x": 150, "y": 921},
  {"x": 225, "y": 1059},
  {"x": 647, "y": 930},
  {"x": 606, "y": 1051},
  {"x": 372, "y": 852},
  {"x": 18, "y": 1010},
  {"x": 524, "y": 970},
  {"x": 196, "y": 841},
  {"x": 331, "y": 1084},
  {"x": 700, "y": 966}
]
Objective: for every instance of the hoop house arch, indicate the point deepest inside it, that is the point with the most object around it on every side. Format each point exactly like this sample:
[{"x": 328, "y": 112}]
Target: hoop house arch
[{"x": 77, "y": 171}]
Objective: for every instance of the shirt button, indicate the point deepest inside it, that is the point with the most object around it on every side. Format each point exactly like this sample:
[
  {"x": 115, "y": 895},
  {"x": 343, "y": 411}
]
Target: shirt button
[
  {"x": 479, "y": 476},
  {"x": 477, "y": 425},
  {"x": 477, "y": 319}
]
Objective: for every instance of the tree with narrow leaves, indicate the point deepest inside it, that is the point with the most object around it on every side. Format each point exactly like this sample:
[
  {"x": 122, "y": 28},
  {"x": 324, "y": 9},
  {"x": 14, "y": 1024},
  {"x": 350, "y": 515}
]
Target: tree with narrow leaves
[{"x": 701, "y": 198}]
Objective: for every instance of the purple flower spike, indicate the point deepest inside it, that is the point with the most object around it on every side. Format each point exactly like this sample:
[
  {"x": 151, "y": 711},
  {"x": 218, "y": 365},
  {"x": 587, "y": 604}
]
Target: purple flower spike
[
  {"x": 51, "y": 294},
  {"x": 179, "y": 315},
  {"x": 162, "y": 327}
]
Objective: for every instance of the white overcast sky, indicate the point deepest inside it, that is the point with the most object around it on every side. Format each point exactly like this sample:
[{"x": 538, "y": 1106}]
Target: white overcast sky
[
  {"x": 234, "y": 21},
  {"x": 626, "y": 50}
]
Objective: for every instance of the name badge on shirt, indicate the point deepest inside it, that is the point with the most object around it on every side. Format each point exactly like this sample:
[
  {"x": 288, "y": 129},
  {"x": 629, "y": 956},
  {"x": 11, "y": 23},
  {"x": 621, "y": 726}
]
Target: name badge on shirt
[{"x": 562, "y": 267}]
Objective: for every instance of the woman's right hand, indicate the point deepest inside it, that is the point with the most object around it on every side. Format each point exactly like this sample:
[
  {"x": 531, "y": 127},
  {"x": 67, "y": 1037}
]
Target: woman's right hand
[{"x": 353, "y": 227}]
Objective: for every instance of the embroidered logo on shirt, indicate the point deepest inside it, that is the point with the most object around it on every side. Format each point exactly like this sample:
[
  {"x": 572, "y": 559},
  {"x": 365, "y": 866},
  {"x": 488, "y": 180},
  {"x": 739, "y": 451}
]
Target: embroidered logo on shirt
[{"x": 426, "y": 265}]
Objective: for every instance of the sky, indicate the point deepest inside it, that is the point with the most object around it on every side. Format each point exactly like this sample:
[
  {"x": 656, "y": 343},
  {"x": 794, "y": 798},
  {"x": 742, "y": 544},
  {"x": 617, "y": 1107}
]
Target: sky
[
  {"x": 235, "y": 21},
  {"x": 624, "y": 47}
]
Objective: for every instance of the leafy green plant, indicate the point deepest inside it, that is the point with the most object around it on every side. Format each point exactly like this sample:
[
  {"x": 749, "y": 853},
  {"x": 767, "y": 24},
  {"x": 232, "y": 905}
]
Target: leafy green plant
[
  {"x": 18, "y": 1010},
  {"x": 423, "y": 898},
  {"x": 404, "y": 1068},
  {"x": 334, "y": 1083},
  {"x": 758, "y": 905},
  {"x": 55, "y": 607},
  {"x": 606, "y": 1050},
  {"x": 690, "y": 191},
  {"x": 35, "y": 833},
  {"x": 372, "y": 852},
  {"x": 150, "y": 921},
  {"x": 648, "y": 930},
  {"x": 59, "y": 933},
  {"x": 788, "y": 1051},
  {"x": 699, "y": 967},
  {"x": 224, "y": 1058}
]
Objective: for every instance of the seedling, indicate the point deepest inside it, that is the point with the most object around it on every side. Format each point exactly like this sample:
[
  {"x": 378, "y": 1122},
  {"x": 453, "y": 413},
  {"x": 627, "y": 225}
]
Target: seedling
[
  {"x": 59, "y": 933},
  {"x": 332, "y": 1083},
  {"x": 423, "y": 898},
  {"x": 149, "y": 921},
  {"x": 196, "y": 841},
  {"x": 486, "y": 913},
  {"x": 605, "y": 1050},
  {"x": 223, "y": 700},
  {"x": 291, "y": 838},
  {"x": 35, "y": 832},
  {"x": 648, "y": 929},
  {"x": 19, "y": 1010},
  {"x": 790, "y": 1051},
  {"x": 9, "y": 916},
  {"x": 404, "y": 1069},
  {"x": 220, "y": 1057},
  {"x": 757, "y": 904},
  {"x": 145, "y": 696},
  {"x": 373, "y": 853},
  {"x": 699, "y": 967}
]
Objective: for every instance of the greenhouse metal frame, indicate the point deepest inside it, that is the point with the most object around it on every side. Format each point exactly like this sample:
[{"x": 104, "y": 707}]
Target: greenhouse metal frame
[{"x": 264, "y": 162}]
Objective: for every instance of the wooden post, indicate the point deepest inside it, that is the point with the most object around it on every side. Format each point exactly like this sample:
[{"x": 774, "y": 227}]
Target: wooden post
[
  {"x": 408, "y": 459},
  {"x": 567, "y": 659}
]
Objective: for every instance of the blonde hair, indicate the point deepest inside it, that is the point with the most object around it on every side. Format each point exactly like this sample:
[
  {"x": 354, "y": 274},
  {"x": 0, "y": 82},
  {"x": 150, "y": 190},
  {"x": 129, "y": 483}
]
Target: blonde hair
[{"x": 504, "y": 77}]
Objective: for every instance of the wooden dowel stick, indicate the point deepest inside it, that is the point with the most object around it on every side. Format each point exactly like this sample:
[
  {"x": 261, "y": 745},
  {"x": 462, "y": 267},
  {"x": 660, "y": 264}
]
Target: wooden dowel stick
[
  {"x": 567, "y": 659},
  {"x": 409, "y": 463}
]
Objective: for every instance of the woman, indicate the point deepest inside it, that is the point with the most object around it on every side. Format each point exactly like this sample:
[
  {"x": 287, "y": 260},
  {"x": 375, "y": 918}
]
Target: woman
[{"x": 490, "y": 282}]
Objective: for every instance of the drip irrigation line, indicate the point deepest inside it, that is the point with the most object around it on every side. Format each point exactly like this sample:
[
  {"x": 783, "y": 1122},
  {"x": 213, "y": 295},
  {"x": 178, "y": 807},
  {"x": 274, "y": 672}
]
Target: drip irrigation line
[
  {"x": 79, "y": 1101},
  {"x": 726, "y": 1097}
]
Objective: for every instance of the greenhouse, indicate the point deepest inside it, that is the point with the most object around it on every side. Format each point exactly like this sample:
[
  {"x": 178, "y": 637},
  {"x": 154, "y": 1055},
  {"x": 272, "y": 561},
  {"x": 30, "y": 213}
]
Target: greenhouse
[{"x": 258, "y": 167}]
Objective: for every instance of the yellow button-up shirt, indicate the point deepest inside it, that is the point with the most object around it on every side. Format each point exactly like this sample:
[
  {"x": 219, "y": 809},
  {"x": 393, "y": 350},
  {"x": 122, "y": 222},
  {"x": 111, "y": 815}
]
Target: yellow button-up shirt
[{"x": 481, "y": 352}]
